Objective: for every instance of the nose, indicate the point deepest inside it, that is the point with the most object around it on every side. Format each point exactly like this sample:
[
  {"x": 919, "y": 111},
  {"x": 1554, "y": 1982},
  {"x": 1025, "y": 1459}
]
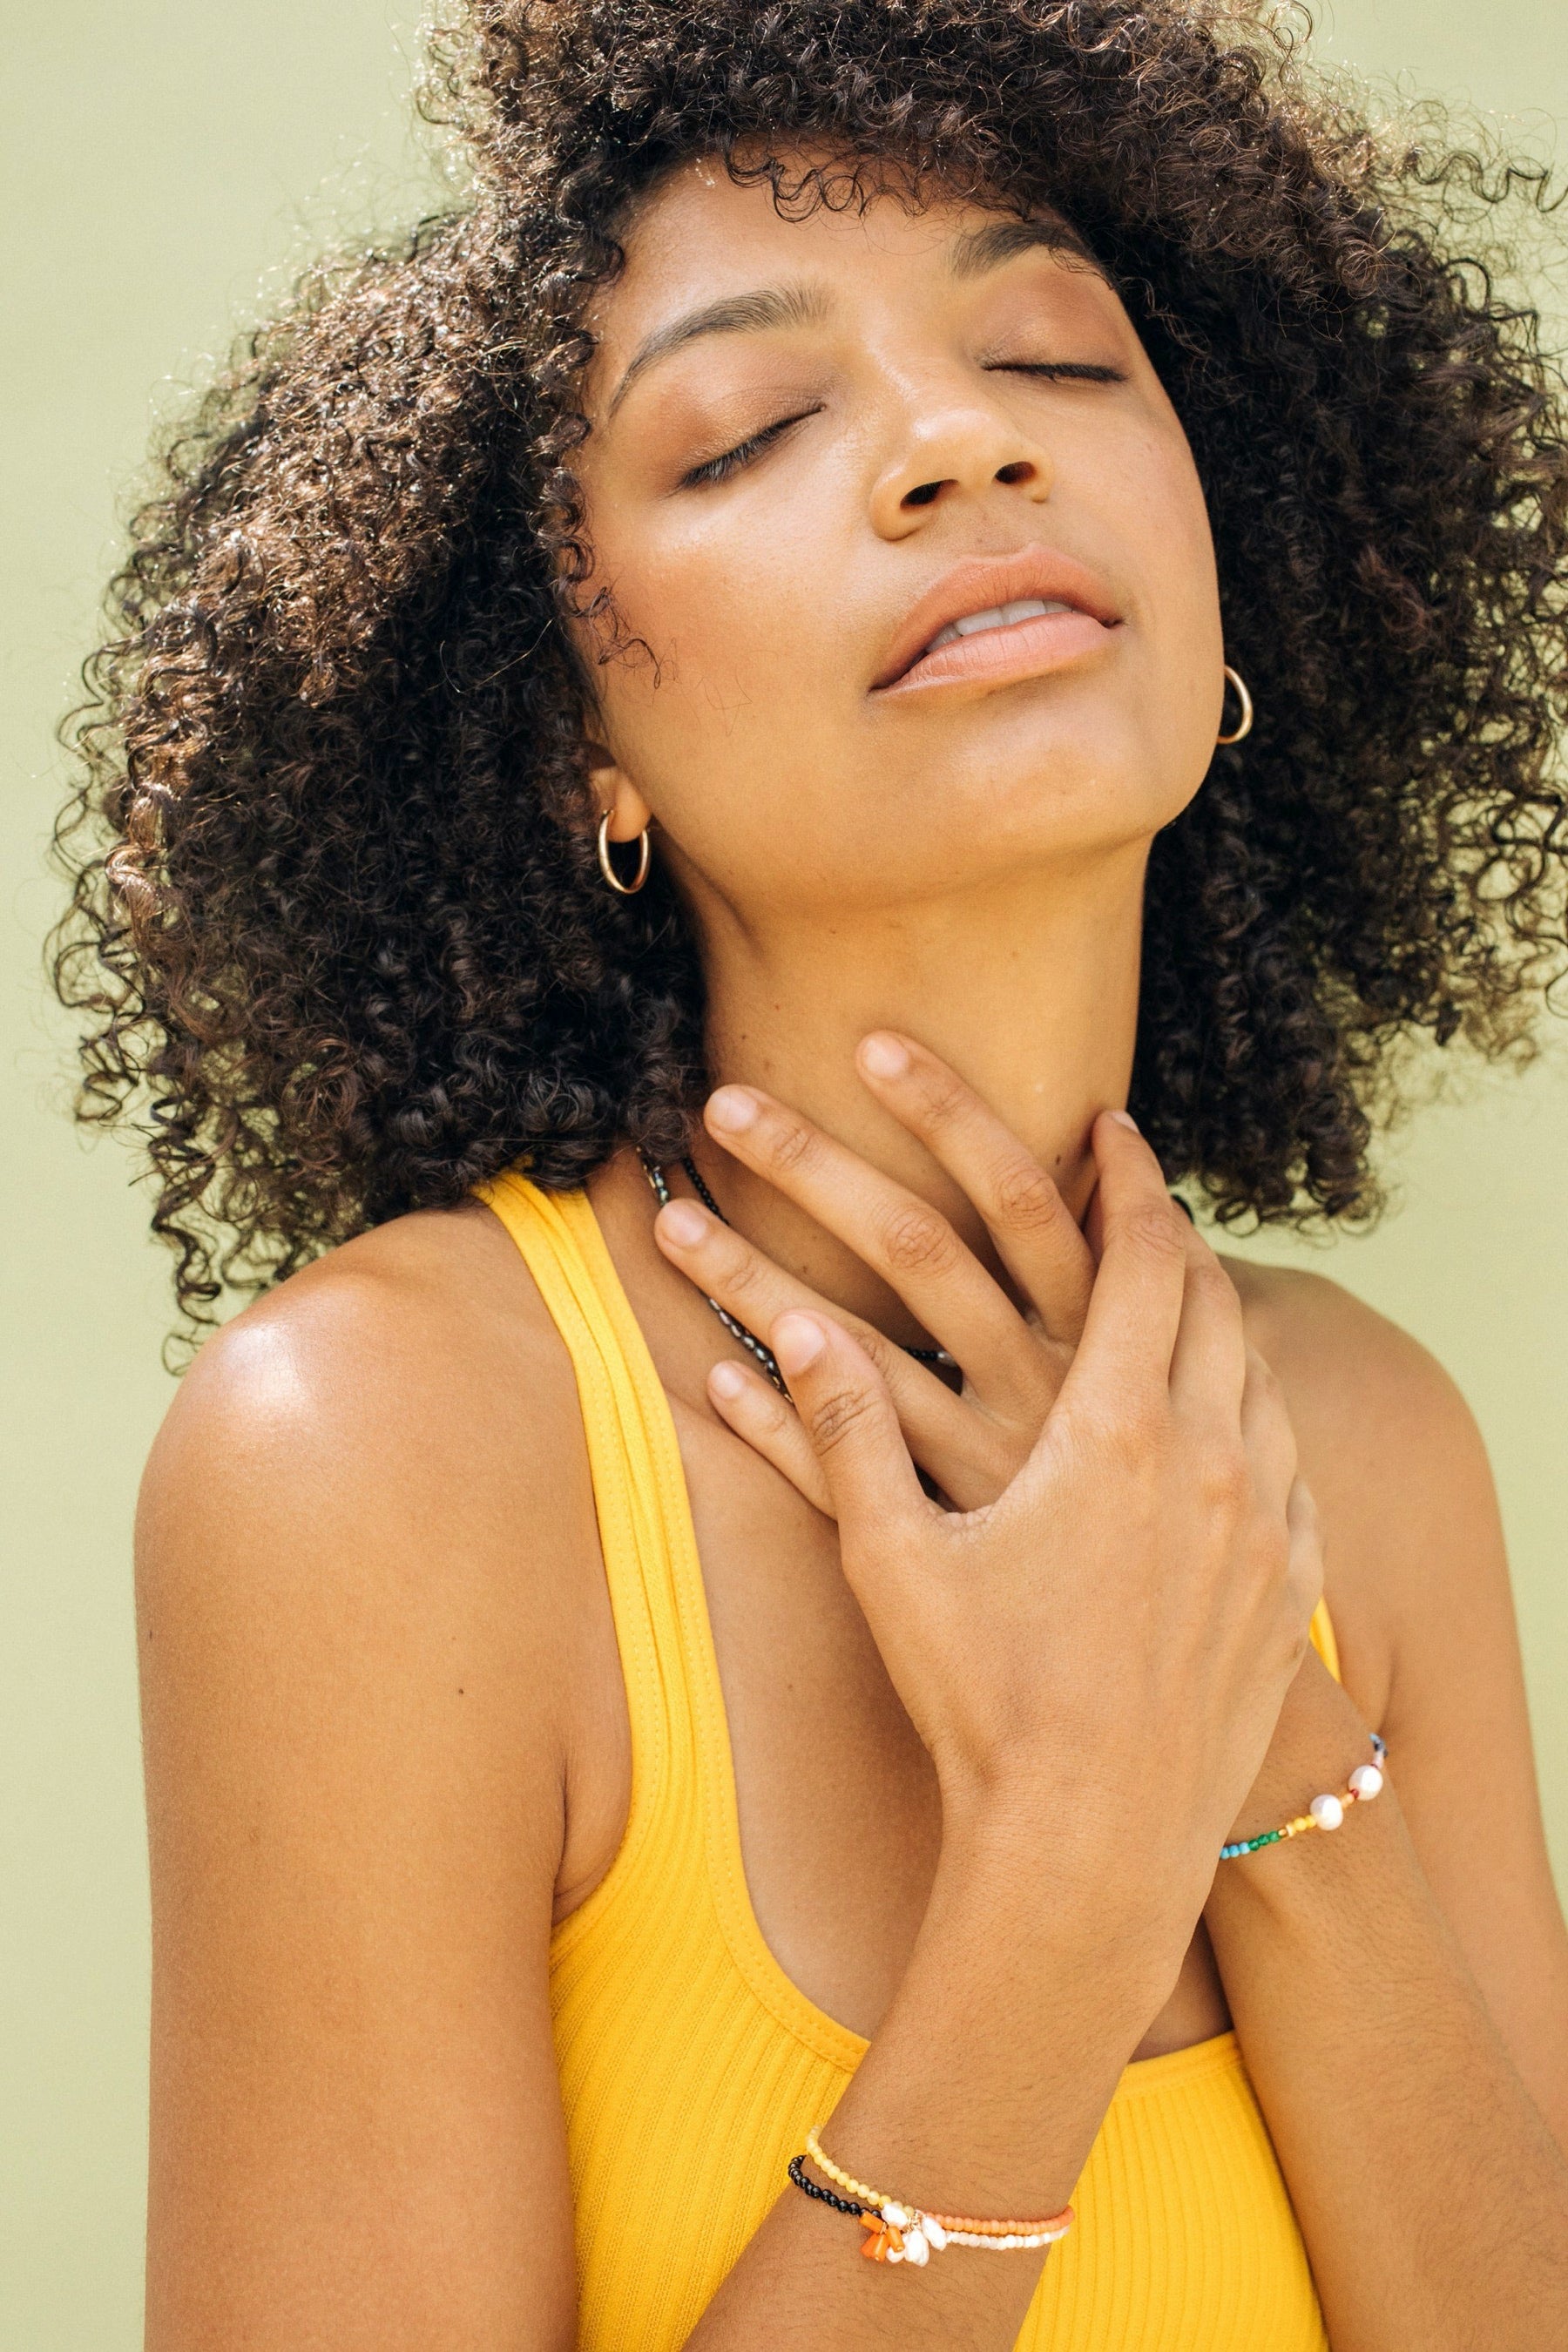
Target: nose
[{"x": 965, "y": 448}]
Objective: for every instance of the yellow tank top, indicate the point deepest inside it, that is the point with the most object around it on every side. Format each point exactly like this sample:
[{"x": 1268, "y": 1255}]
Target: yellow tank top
[{"x": 692, "y": 2066}]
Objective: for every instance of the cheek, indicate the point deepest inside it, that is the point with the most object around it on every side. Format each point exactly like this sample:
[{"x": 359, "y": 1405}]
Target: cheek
[
  {"x": 1167, "y": 527},
  {"x": 1170, "y": 524},
  {"x": 744, "y": 644}
]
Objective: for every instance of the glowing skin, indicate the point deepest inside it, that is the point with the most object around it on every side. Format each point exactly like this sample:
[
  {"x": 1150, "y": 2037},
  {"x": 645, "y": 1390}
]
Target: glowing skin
[
  {"x": 773, "y": 595},
  {"x": 874, "y": 439}
]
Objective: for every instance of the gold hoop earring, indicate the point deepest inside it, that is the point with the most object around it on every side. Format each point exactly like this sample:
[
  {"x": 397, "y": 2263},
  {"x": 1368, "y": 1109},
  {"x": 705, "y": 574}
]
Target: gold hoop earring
[
  {"x": 1245, "y": 699},
  {"x": 645, "y": 859}
]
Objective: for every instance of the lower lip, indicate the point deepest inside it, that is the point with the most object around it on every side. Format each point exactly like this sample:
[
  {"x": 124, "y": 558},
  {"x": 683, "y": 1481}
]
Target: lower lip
[{"x": 999, "y": 656}]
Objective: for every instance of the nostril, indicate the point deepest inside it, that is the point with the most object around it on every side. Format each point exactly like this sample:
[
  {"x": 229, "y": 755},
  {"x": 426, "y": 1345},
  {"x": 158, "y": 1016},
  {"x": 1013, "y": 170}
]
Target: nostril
[
  {"x": 1021, "y": 472},
  {"x": 921, "y": 497}
]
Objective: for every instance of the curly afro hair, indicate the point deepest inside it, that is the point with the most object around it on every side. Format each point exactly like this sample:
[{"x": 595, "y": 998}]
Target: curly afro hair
[{"x": 336, "y": 917}]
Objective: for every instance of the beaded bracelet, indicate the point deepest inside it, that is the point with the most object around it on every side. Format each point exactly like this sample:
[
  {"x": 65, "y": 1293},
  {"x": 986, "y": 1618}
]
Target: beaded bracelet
[
  {"x": 898, "y": 2232},
  {"x": 1323, "y": 1812}
]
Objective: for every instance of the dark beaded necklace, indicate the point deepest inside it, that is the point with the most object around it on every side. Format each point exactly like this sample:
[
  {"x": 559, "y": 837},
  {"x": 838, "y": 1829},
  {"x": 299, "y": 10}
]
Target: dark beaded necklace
[{"x": 735, "y": 1328}]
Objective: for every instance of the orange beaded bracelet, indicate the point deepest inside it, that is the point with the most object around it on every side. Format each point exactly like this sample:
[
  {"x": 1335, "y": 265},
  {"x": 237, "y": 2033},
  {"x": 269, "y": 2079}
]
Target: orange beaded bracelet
[{"x": 900, "y": 2232}]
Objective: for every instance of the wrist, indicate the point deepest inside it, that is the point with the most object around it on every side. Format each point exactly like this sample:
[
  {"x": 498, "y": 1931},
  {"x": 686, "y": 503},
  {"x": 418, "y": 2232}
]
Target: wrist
[
  {"x": 1066, "y": 1903},
  {"x": 1319, "y": 1740},
  {"x": 1294, "y": 1880},
  {"x": 994, "y": 2065},
  {"x": 1285, "y": 1909}
]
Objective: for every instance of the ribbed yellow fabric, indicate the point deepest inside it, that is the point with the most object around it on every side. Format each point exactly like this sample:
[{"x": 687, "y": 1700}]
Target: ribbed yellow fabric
[{"x": 692, "y": 2066}]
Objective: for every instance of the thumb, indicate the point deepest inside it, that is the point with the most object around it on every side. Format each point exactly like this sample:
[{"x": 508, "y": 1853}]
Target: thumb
[{"x": 849, "y": 1419}]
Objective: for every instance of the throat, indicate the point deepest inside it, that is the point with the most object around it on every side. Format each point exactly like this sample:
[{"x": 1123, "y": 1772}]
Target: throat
[{"x": 1034, "y": 1006}]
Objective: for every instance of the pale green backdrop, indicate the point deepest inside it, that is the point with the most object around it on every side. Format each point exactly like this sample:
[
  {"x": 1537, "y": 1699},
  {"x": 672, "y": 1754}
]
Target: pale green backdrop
[{"x": 166, "y": 163}]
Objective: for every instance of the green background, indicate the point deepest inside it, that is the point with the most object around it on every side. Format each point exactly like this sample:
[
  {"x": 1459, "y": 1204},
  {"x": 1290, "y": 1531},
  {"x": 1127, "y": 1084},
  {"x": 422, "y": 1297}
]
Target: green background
[{"x": 169, "y": 165}]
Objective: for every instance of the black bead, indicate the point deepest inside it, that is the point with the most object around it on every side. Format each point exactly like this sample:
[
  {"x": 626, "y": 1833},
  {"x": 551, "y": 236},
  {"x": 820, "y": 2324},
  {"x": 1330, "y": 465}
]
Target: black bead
[{"x": 824, "y": 2196}]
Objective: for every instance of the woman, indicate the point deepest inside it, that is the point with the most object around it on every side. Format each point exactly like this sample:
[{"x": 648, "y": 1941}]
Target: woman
[{"x": 743, "y": 618}]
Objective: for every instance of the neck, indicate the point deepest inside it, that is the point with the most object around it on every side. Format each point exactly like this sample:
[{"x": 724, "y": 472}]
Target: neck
[{"x": 1030, "y": 992}]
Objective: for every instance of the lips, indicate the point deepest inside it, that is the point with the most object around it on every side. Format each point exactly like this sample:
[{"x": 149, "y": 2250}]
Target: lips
[{"x": 1065, "y": 610}]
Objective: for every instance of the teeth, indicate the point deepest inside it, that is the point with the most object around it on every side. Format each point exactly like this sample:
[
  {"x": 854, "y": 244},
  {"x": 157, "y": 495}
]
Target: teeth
[{"x": 999, "y": 617}]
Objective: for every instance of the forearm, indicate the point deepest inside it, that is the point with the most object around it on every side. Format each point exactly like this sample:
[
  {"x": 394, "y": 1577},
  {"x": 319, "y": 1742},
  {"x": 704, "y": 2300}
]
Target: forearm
[
  {"x": 982, "y": 2093},
  {"x": 1432, "y": 2199}
]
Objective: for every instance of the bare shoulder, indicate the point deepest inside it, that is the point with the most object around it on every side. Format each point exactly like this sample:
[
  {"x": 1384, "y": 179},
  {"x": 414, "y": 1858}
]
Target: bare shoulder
[
  {"x": 411, "y": 1379},
  {"x": 365, "y": 1565},
  {"x": 370, "y": 1501},
  {"x": 1394, "y": 1458},
  {"x": 427, "y": 1330},
  {"x": 1348, "y": 1369}
]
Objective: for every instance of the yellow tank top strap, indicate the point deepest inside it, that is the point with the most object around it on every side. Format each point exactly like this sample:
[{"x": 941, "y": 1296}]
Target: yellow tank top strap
[
  {"x": 1322, "y": 1631},
  {"x": 558, "y": 1238},
  {"x": 683, "y": 1843}
]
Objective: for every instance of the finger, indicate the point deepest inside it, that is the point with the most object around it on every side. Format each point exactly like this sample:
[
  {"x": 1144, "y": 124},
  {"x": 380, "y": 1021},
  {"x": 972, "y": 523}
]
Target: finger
[
  {"x": 1208, "y": 1363},
  {"x": 962, "y": 1454},
  {"x": 848, "y": 1416},
  {"x": 1304, "y": 1569},
  {"x": 1036, "y": 1235},
  {"x": 1123, "y": 1361},
  {"x": 1268, "y": 1434},
  {"x": 899, "y": 1236},
  {"x": 753, "y": 1409}
]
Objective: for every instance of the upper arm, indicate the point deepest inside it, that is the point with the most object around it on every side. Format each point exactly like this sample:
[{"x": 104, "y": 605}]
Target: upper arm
[
  {"x": 1416, "y": 1578},
  {"x": 349, "y": 1669}
]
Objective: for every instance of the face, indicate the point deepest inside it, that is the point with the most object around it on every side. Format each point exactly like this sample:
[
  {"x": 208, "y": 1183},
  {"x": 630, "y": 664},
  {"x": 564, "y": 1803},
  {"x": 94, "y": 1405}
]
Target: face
[{"x": 914, "y": 543}]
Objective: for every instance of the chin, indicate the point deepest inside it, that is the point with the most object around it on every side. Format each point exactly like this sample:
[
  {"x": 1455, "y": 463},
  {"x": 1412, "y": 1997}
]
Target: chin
[{"x": 1068, "y": 798}]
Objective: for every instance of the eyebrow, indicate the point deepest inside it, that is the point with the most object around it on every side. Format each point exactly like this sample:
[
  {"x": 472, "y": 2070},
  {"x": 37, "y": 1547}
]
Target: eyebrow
[
  {"x": 972, "y": 255},
  {"x": 734, "y": 314},
  {"x": 981, "y": 249}
]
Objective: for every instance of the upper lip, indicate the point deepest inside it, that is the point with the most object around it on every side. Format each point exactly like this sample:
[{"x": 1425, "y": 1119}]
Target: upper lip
[{"x": 980, "y": 583}]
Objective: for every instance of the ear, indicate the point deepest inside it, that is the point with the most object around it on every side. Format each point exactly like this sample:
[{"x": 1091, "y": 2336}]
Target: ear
[{"x": 615, "y": 792}]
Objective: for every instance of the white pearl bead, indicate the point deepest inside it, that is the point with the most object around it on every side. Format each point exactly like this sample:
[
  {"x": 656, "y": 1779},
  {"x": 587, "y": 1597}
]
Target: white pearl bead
[
  {"x": 1327, "y": 1811},
  {"x": 916, "y": 2250},
  {"x": 1367, "y": 1780},
  {"x": 933, "y": 2230},
  {"x": 897, "y": 2215}
]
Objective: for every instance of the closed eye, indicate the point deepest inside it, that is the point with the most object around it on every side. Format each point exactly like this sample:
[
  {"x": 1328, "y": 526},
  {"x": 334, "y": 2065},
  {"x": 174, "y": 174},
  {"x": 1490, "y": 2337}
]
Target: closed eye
[
  {"x": 1058, "y": 371},
  {"x": 718, "y": 469}
]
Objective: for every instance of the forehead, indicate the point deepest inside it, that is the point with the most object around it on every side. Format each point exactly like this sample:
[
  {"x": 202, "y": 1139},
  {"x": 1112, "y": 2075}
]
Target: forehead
[{"x": 699, "y": 233}]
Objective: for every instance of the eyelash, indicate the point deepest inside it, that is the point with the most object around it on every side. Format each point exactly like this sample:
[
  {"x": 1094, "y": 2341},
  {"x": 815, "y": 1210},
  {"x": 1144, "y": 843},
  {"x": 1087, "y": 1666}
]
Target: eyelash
[
  {"x": 1055, "y": 371},
  {"x": 719, "y": 469}
]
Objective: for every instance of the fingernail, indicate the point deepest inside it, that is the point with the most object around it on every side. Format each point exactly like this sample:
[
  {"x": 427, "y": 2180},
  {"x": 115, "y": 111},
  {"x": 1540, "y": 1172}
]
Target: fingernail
[
  {"x": 727, "y": 1380},
  {"x": 1125, "y": 1119},
  {"x": 684, "y": 1224},
  {"x": 884, "y": 1056},
  {"x": 732, "y": 1108},
  {"x": 796, "y": 1342}
]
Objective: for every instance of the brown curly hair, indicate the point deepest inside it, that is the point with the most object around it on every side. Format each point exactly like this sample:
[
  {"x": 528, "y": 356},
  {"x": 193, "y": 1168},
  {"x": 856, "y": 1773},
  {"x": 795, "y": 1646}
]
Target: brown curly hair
[{"x": 336, "y": 916}]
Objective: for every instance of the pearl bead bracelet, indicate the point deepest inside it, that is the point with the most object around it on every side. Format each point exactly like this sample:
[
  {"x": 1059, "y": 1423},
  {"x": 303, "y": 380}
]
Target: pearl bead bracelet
[
  {"x": 898, "y": 2232},
  {"x": 1324, "y": 1813}
]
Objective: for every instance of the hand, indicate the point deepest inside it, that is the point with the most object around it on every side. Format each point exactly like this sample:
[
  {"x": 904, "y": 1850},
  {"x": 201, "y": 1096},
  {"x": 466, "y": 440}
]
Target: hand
[
  {"x": 1014, "y": 1359},
  {"x": 1101, "y": 1649}
]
